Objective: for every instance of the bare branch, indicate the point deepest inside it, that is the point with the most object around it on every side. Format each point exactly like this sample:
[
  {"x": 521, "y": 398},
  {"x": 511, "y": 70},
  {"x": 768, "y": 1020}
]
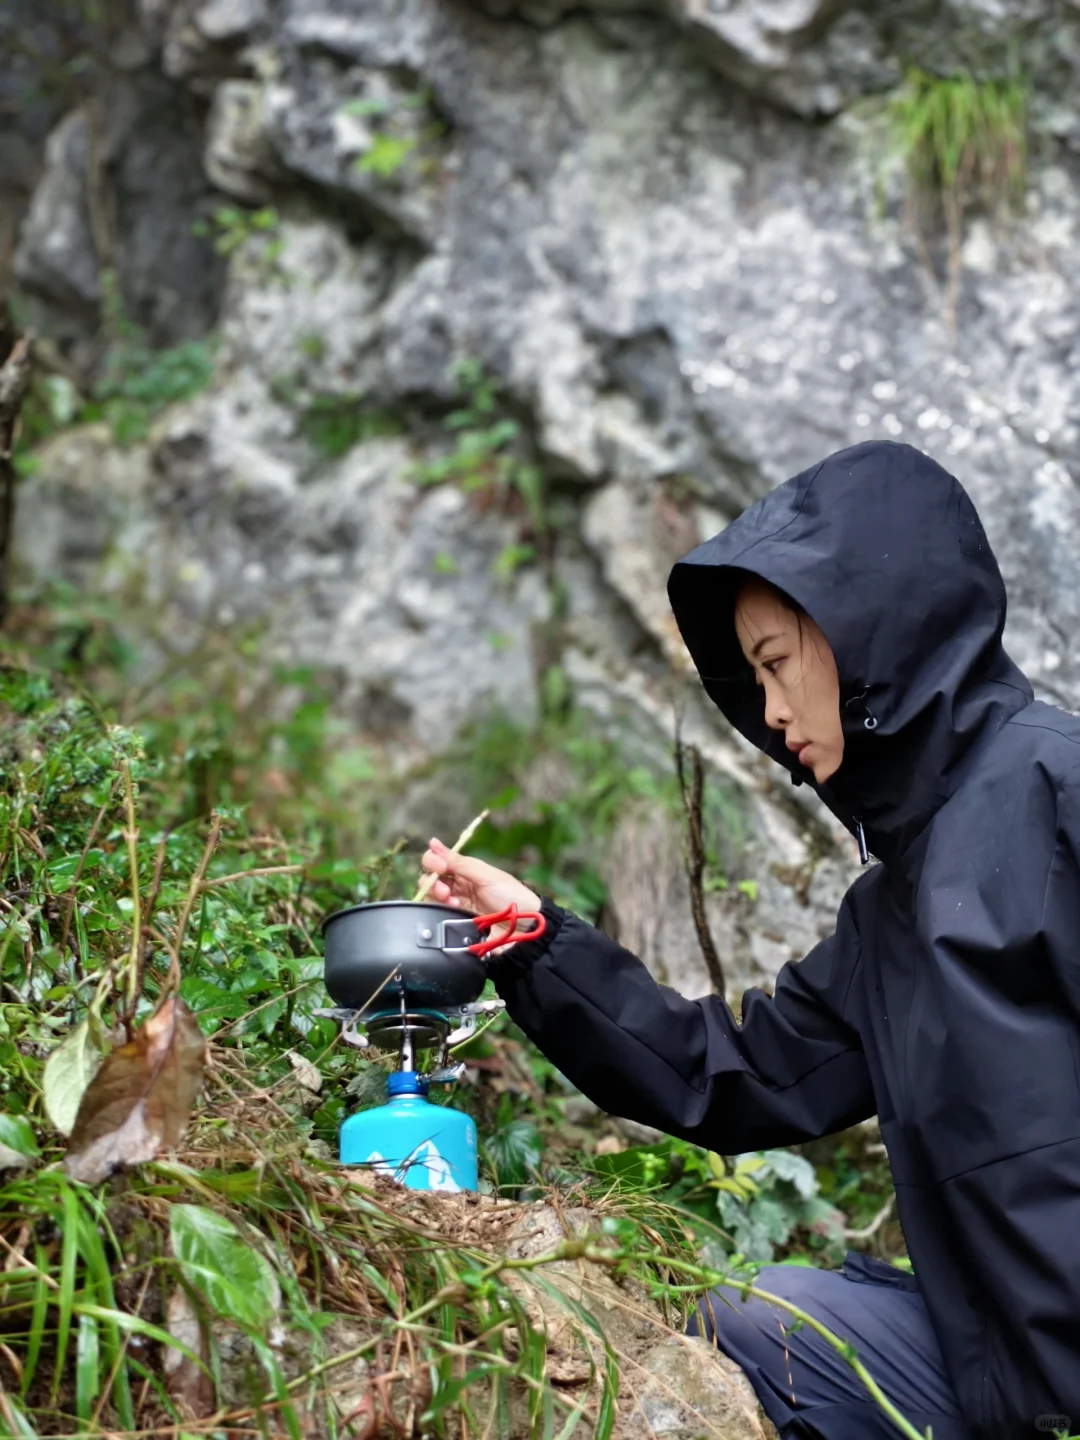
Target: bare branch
[
  {"x": 692, "y": 797},
  {"x": 14, "y": 380}
]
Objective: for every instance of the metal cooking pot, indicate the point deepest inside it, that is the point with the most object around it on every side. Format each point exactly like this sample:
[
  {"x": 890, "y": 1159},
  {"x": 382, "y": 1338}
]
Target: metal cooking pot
[{"x": 432, "y": 954}]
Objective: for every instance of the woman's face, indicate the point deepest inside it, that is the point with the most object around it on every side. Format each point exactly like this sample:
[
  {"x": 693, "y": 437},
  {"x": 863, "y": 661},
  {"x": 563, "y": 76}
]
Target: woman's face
[{"x": 793, "y": 663}]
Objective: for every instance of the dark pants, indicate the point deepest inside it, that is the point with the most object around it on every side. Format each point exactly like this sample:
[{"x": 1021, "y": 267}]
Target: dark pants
[{"x": 807, "y": 1390}]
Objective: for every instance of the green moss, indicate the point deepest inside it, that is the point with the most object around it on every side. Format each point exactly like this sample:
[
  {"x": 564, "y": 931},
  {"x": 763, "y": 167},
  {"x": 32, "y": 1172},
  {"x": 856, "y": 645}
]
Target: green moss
[{"x": 335, "y": 423}]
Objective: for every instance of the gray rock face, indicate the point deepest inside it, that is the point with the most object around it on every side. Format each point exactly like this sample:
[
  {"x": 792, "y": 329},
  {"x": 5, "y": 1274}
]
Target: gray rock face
[
  {"x": 672, "y": 1386},
  {"x": 363, "y": 136},
  {"x": 810, "y": 56},
  {"x": 681, "y": 296},
  {"x": 814, "y": 57},
  {"x": 121, "y": 190},
  {"x": 56, "y": 254}
]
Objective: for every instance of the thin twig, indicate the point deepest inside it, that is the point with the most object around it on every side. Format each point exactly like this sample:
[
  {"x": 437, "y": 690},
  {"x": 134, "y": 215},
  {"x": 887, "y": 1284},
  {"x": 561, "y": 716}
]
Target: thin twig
[
  {"x": 172, "y": 981},
  {"x": 148, "y": 911},
  {"x": 875, "y": 1224},
  {"x": 459, "y": 844},
  {"x": 14, "y": 380},
  {"x": 252, "y": 874},
  {"x": 131, "y": 836}
]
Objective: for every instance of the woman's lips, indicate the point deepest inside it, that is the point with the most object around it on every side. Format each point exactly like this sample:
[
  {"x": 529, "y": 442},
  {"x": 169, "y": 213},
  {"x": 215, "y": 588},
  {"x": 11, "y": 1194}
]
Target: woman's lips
[{"x": 800, "y": 750}]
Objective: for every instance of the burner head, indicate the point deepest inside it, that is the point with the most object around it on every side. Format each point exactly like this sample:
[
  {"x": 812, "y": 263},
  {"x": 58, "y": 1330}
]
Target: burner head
[
  {"x": 397, "y": 1029},
  {"x": 408, "y": 1031}
]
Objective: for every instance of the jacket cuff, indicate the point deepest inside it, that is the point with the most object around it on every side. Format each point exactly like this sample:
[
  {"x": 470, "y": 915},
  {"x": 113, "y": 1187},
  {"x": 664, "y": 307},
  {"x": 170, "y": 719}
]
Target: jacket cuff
[{"x": 521, "y": 957}]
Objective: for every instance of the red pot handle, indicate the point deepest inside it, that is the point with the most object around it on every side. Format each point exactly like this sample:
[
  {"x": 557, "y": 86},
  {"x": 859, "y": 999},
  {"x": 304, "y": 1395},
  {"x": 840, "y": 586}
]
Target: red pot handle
[{"x": 510, "y": 916}]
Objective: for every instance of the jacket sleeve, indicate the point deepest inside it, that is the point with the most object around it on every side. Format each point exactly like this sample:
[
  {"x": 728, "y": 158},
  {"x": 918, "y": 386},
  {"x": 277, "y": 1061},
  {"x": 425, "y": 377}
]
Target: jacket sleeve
[{"x": 791, "y": 1071}]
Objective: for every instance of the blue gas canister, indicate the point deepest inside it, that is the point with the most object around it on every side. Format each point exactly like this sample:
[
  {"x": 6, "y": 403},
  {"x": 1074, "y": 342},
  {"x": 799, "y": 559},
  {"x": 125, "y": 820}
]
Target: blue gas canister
[{"x": 423, "y": 1146}]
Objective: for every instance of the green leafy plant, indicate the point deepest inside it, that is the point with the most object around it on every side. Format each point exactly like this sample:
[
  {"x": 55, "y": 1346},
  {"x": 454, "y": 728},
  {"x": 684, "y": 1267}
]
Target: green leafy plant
[
  {"x": 389, "y": 151},
  {"x": 487, "y": 458},
  {"x": 335, "y": 423},
  {"x": 386, "y": 155},
  {"x": 190, "y": 813},
  {"x": 513, "y": 1149},
  {"x": 138, "y": 383},
  {"x": 52, "y": 403},
  {"x": 134, "y": 384},
  {"x": 761, "y": 1201},
  {"x": 230, "y": 228}
]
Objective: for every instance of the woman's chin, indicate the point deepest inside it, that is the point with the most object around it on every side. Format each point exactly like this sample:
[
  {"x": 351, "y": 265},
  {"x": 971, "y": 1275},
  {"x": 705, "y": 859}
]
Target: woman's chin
[{"x": 824, "y": 770}]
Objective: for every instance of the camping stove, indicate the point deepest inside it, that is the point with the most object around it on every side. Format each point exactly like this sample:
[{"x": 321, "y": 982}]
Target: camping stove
[
  {"x": 410, "y": 974},
  {"x": 422, "y": 1146}
]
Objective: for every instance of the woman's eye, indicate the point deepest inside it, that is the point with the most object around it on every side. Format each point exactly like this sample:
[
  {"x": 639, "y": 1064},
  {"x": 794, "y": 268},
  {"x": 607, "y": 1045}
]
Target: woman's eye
[{"x": 772, "y": 665}]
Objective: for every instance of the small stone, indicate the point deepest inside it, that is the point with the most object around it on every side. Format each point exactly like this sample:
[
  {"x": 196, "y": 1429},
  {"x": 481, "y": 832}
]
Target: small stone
[{"x": 580, "y": 1110}]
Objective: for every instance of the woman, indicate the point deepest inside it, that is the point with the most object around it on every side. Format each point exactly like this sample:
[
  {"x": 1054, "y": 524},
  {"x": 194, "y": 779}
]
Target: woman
[{"x": 849, "y": 624}]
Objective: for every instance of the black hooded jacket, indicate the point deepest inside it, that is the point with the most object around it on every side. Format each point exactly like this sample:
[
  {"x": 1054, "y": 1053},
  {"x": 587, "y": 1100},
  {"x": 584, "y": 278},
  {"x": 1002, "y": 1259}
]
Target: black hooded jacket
[{"x": 948, "y": 1000}]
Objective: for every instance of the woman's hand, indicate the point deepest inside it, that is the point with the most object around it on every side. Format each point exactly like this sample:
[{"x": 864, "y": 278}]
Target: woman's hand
[{"x": 474, "y": 884}]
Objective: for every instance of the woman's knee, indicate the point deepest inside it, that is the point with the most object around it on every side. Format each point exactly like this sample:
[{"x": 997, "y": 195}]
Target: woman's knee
[{"x": 727, "y": 1313}]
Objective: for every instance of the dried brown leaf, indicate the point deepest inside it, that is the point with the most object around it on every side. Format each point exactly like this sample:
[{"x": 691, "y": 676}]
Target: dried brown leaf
[
  {"x": 305, "y": 1071},
  {"x": 187, "y": 1384},
  {"x": 139, "y": 1101}
]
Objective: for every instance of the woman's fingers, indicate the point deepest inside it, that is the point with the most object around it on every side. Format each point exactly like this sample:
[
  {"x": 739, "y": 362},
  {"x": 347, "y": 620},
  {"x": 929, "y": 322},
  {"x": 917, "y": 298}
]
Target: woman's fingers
[
  {"x": 446, "y": 891},
  {"x": 462, "y": 871},
  {"x": 435, "y": 858}
]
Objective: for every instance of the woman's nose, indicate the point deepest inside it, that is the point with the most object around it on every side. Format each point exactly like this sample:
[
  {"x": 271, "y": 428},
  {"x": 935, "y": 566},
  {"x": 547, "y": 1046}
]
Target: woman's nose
[{"x": 777, "y": 712}]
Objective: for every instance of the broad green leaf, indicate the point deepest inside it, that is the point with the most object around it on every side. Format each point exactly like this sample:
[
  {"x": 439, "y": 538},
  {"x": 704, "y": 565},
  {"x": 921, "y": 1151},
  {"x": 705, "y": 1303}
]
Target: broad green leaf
[
  {"x": 514, "y": 1152},
  {"x": 68, "y": 1073},
  {"x": 821, "y": 1217},
  {"x": 795, "y": 1168},
  {"x": 776, "y": 1219},
  {"x": 17, "y": 1143},
  {"x": 232, "y": 1277}
]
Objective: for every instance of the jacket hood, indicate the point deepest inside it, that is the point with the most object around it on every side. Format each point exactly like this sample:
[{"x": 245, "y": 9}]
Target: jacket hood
[{"x": 884, "y": 551}]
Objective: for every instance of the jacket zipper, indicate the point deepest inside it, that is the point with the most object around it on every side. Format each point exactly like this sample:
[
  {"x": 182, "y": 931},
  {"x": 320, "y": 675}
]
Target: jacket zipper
[{"x": 870, "y": 722}]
